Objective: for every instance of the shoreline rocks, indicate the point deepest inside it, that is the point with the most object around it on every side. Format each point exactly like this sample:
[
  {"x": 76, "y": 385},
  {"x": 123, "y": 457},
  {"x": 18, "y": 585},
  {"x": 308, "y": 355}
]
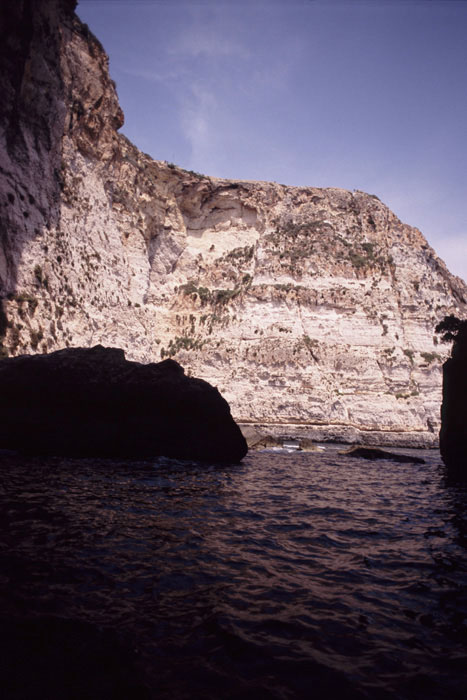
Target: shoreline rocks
[
  {"x": 258, "y": 440},
  {"x": 94, "y": 402}
]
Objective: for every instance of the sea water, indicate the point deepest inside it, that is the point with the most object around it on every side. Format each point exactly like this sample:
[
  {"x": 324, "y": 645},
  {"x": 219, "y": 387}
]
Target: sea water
[{"x": 290, "y": 575}]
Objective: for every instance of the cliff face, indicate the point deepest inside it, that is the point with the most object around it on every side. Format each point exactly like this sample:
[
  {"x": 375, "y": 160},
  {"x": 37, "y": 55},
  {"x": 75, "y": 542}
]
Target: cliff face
[{"x": 311, "y": 309}]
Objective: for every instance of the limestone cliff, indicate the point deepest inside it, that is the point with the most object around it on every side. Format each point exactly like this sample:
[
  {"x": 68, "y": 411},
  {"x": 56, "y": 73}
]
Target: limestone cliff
[{"x": 311, "y": 309}]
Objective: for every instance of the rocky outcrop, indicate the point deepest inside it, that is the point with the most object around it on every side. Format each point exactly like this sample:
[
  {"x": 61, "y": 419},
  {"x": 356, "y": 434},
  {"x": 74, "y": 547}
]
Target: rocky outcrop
[
  {"x": 311, "y": 309},
  {"x": 93, "y": 402},
  {"x": 453, "y": 433},
  {"x": 373, "y": 453},
  {"x": 260, "y": 441}
]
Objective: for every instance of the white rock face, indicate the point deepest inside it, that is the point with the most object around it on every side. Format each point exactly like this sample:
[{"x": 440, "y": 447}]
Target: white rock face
[{"x": 312, "y": 310}]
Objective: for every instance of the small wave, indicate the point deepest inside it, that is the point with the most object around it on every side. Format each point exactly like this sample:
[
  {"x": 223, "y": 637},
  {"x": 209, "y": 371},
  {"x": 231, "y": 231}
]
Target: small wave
[{"x": 287, "y": 576}]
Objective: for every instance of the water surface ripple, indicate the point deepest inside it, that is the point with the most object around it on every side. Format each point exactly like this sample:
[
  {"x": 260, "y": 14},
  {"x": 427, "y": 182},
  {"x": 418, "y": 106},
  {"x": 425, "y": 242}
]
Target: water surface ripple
[{"x": 287, "y": 576}]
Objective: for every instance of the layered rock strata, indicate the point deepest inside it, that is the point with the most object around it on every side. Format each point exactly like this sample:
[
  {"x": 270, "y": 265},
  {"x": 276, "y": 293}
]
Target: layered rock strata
[
  {"x": 93, "y": 402},
  {"x": 311, "y": 309}
]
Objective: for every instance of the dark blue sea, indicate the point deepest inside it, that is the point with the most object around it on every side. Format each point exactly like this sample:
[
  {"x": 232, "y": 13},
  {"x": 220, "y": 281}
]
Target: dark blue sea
[{"x": 290, "y": 575}]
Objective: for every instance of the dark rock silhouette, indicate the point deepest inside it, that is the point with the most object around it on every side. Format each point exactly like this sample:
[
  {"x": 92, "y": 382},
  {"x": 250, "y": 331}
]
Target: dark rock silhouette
[
  {"x": 453, "y": 433},
  {"x": 377, "y": 453},
  {"x": 94, "y": 402}
]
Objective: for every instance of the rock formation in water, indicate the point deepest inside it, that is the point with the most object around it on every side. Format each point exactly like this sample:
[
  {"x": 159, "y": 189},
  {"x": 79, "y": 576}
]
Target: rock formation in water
[
  {"x": 453, "y": 433},
  {"x": 374, "y": 453},
  {"x": 93, "y": 402},
  {"x": 311, "y": 309}
]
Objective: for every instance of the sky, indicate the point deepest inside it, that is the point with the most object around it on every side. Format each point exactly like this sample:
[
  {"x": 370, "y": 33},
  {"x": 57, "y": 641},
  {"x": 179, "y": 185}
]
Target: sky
[{"x": 358, "y": 94}]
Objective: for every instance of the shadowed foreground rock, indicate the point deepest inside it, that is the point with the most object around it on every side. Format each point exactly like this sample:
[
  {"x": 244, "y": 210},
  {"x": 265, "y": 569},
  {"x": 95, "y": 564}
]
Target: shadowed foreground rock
[
  {"x": 453, "y": 433},
  {"x": 93, "y": 402}
]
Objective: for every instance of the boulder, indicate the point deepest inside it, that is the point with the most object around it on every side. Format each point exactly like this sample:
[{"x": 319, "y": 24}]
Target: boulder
[
  {"x": 257, "y": 440},
  {"x": 307, "y": 445},
  {"x": 377, "y": 453},
  {"x": 94, "y": 402}
]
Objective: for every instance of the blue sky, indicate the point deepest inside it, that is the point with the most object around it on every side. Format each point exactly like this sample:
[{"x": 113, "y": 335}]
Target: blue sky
[{"x": 359, "y": 94}]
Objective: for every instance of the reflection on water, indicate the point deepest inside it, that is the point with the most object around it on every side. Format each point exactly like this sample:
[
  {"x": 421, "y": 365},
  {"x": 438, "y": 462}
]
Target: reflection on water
[{"x": 288, "y": 576}]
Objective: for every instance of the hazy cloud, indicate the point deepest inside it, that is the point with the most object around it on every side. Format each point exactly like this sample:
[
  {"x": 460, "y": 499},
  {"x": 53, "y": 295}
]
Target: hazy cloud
[
  {"x": 210, "y": 44},
  {"x": 196, "y": 111}
]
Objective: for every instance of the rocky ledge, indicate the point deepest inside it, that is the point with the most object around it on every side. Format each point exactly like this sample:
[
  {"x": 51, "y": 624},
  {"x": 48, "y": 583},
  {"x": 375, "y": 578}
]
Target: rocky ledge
[{"x": 94, "y": 402}]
